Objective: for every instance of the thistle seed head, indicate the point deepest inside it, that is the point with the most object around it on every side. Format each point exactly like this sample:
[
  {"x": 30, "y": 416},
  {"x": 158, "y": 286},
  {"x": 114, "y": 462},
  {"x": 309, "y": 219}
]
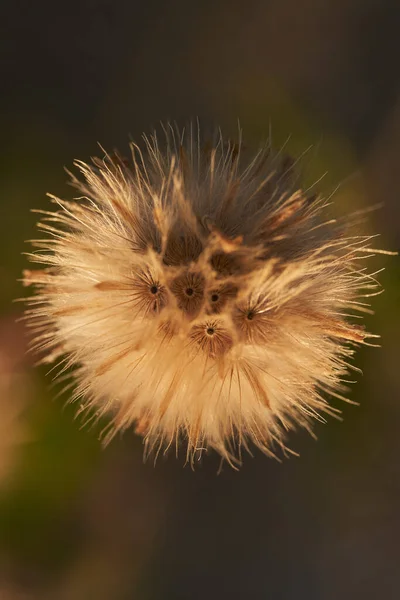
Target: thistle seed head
[{"x": 199, "y": 296}]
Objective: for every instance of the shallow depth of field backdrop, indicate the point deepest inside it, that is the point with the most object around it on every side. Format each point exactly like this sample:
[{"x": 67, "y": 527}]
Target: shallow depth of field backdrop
[{"x": 80, "y": 523}]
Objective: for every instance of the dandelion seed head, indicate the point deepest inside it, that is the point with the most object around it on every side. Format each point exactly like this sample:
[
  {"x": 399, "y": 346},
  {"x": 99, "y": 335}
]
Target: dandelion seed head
[{"x": 201, "y": 297}]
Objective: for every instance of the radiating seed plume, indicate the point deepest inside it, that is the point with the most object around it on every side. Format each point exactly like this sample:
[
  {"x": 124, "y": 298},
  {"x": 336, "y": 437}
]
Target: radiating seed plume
[{"x": 201, "y": 297}]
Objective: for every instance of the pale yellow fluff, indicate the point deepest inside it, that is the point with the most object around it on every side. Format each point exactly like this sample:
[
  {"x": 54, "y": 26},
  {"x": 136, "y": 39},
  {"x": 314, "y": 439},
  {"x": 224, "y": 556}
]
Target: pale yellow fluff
[{"x": 202, "y": 297}]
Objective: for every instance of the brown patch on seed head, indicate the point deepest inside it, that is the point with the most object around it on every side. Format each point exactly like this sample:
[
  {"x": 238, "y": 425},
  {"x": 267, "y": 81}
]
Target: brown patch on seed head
[
  {"x": 181, "y": 250},
  {"x": 149, "y": 295},
  {"x": 253, "y": 325},
  {"x": 212, "y": 337},
  {"x": 188, "y": 290},
  {"x": 218, "y": 297}
]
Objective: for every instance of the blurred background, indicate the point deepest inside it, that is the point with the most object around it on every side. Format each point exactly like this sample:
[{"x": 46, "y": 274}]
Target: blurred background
[{"x": 81, "y": 523}]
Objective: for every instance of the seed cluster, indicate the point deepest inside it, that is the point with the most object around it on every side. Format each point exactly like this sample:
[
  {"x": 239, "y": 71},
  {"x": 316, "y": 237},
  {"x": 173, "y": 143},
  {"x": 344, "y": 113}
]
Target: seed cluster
[{"x": 199, "y": 296}]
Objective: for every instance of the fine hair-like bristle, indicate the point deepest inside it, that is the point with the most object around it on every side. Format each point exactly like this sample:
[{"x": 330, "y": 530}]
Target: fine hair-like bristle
[{"x": 201, "y": 298}]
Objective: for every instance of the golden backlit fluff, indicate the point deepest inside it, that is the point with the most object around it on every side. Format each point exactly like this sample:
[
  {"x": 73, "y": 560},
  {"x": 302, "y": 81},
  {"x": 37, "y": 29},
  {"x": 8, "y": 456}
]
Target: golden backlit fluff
[{"x": 201, "y": 297}]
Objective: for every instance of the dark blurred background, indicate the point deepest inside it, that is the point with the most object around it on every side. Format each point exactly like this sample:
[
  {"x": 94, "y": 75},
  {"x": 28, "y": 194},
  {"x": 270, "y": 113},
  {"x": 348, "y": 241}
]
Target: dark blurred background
[{"x": 80, "y": 523}]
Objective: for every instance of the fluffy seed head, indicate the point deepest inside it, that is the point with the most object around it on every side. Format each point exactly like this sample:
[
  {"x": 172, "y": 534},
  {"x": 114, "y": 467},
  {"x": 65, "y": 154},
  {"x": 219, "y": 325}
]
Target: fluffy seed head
[{"x": 200, "y": 296}]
